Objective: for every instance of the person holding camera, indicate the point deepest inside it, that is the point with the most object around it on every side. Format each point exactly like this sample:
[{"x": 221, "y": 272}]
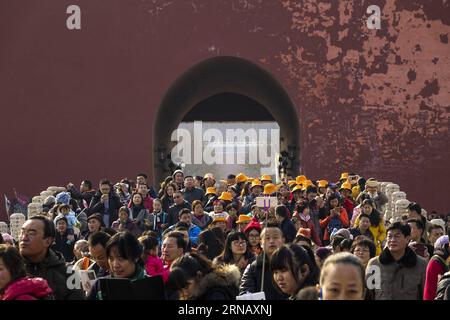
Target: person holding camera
[{"x": 335, "y": 217}]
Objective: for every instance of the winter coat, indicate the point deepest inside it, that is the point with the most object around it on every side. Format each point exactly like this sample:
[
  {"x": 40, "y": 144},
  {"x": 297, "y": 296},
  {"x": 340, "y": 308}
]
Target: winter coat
[
  {"x": 311, "y": 226},
  {"x": 400, "y": 280},
  {"x": 157, "y": 219},
  {"x": 96, "y": 294},
  {"x": 148, "y": 203},
  {"x": 142, "y": 214},
  {"x": 443, "y": 288},
  {"x": 349, "y": 205},
  {"x": 247, "y": 204},
  {"x": 378, "y": 232},
  {"x": 202, "y": 222},
  {"x": 324, "y": 223},
  {"x": 355, "y": 232},
  {"x": 64, "y": 246},
  {"x": 209, "y": 206},
  {"x": 166, "y": 202},
  {"x": 220, "y": 284},
  {"x": 27, "y": 289},
  {"x": 193, "y": 194},
  {"x": 97, "y": 206},
  {"x": 53, "y": 269},
  {"x": 251, "y": 280},
  {"x": 289, "y": 230},
  {"x": 83, "y": 198},
  {"x": 155, "y": 267},
  {"x": 435, "y": 269},
  {"x": 174, "y": 210},
  {"x": 315, "y": 217},
  {"x": 127, "y": 226}
]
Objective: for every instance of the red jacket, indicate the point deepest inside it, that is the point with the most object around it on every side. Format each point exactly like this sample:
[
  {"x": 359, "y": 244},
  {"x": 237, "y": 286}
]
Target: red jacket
[
  {"x": 27, "y": 289},
  {"x": 148, "y": 203},
  {"x": 349, "y": 206},
  {"x": 154, "y": 267},
  {"x": 434, "y": 270},
  {"x": 324, "y": 223},
  {"x": 310, "y": 225}
]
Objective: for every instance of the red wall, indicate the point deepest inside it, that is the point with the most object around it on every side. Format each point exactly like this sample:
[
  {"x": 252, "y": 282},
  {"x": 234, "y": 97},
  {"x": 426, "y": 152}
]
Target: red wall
[{"x": 81, "y": 104}]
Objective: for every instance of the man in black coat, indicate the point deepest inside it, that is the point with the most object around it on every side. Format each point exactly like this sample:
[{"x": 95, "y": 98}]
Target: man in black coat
[
  {"x": 38, "y": 234},
  {"x": 84, "y": 196},
  {"x": 287, "y": 227},
  {"x": 105, "y": 202},
  {"x": 175, "y": 209},
  {"x": 272, "y": 238}
]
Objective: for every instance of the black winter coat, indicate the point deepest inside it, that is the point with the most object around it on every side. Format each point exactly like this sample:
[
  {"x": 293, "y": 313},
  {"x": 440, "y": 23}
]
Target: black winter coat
[{"x": 251, "y": 280}]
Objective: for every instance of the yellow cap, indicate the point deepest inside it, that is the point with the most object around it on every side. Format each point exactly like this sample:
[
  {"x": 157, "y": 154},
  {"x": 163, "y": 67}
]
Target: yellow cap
[
  {"x": 306, "y": 184},
  {"x": 266, "y": 177},
  {"x": 226, "y": 196},
  {"x": 269, "y": 189},
  {"x": 300, "y": 179},
  {"x": 344, "y": 176},
  {"x": 297, "y": 188},
  {"x": 210, "y": 190},
  {"x": 241, "y": 178},
  {"x": 256, "y": 183},
  {"x": 323, "y": 183},
  {"x": 291, "y": 183},
  {"x": 346, "y": 186},
  {"x": 243, "y": 218}
]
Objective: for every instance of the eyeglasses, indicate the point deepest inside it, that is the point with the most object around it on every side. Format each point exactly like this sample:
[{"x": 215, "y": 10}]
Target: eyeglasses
[
  {"x": 360, "y": 250},
  {"x": 238, "y": 242}
]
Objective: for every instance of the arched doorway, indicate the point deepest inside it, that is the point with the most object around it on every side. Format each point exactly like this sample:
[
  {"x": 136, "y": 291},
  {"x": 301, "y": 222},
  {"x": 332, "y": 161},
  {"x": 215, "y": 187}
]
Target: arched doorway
[{"x": 220, "y": 79}]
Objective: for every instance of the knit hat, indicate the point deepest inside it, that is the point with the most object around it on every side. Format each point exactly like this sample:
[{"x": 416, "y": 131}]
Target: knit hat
[
  {"x": 8, "y": 238},
  {"x": 63, "y": 197},
  {"x": 323, "y": 253},
  {"x": 253, "y": 225},
  {"x": 441, "y": 245}
]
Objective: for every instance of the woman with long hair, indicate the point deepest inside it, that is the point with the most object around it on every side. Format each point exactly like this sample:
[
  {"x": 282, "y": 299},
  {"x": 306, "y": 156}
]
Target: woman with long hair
[
  {"x": 209, "y": 244},
  {"x": 237, "y": 251},
  {"x": 167, "y": 197},
  {"x": 293, "y": 269}
]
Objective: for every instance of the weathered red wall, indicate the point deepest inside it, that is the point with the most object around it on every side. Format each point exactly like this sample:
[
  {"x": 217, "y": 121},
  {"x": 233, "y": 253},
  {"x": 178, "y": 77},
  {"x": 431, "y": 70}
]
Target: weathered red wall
[{"x": 81, "y": 104}]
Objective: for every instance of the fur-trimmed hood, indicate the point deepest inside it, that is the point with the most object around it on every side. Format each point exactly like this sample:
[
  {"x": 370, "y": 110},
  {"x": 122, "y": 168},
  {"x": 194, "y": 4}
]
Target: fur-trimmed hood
[
  {"x": 409, "y": 259},
  {"x": 220, "y": 284}
]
